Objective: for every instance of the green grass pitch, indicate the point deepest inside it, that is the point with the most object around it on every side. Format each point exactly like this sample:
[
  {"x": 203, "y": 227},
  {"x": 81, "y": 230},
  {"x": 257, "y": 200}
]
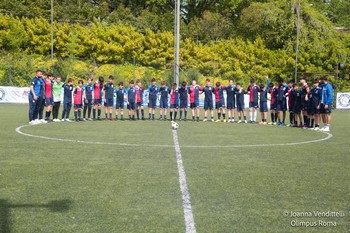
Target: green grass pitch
[{"x": 111, "y": 186}]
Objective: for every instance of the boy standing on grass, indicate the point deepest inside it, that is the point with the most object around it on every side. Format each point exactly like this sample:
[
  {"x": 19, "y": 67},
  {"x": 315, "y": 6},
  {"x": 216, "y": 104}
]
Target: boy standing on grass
[
  {"x": 120, "y": 92},
  {"x": 78, "y": 100},
  {"x": 109, "y": 97},
  {"x": 56, "y": 92},
  {"x": 131, "y": 100},
  {"x": 240, "y": 103},
  {"x": 97, "y": 96},
  {"x": 67, "y": 100},
  {"x": 315, "y": 103},
  {"x": 139, "y": 100},
  {"x": 174, "y": 101},
  {"x": 33, "y": 97},
  {"x": 48, "y": 96},
  {"x": 253, "y": 91},
  {"x": 326, "y": 104},
  {"x": 88, "y": 90},
  {"x": 263, "y": 104},
  {"x": 152, "y": 99},
  {"x": 296, "y": 103},
  {"x": 230, "y": 92},
  {"x": 183, "y": 90},
  {"x": 41, "y": 100},
  {"x": 163, "y": 104},
  {"x": 273, "y": 90},
  {"x": 290, "y": 107},
  {"x": 220, "y": 101},
  {"x": 193, "y": 92},
  {"x": 208, "y": 100},
  {"x": 281, "y": 101},
  {"x": 306, "y": 118}
]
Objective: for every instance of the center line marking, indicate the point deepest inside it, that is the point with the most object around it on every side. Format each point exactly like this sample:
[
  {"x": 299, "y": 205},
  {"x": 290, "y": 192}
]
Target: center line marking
[{"x": 186, "y": 202}]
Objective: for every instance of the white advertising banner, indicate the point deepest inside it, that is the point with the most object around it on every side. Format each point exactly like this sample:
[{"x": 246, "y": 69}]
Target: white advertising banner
[
  {"x": 14, "y": 94},
  {"x": 343, "y": 100}
]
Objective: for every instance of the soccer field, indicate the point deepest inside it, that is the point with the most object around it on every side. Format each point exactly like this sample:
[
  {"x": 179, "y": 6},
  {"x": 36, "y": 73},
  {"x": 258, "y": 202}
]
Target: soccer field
[{"x": 113, "y": 176}]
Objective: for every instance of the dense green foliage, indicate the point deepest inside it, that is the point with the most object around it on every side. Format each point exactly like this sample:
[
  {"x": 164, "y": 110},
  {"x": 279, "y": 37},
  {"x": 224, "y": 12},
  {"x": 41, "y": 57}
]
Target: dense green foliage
[{"x": 220, "y": 39}]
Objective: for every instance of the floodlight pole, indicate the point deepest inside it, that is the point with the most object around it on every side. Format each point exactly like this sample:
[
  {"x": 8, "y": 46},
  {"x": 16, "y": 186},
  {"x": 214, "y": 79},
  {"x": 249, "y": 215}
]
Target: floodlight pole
[
  {"x": 297, "y": 43},
  {"x": 177, "y": 43},
  {"x": 52, "y": 29}
]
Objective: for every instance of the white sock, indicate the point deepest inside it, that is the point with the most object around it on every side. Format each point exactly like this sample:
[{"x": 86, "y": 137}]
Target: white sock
[
  {"x": 255, "y": 113},
  {"x": 251, "y": 116}
]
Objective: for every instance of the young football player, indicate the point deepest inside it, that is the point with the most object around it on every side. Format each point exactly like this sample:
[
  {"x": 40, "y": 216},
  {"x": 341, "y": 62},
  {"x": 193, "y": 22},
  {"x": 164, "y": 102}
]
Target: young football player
[
  {"x": 119, "y": 108},
  {"x": 253, "y": 91},
  {"x": 152, "y": 99},
  {"x": 208, "y": 100},
  {"x": 174, "y": 101},
  {"x": 139, "y": 100},
  {"x": 67, "y": 99},
  {"x": 109, "y": 97},
  {"x": 183, "y": 90},
  {"x": 263, "y": 104},
  {"x": 48, "y": 96},
  {"x": 57, "y": 98},
  {"x": 306, "y": 118},
  {"x": 315, "y": 96},
  {"x": 41, "y": 100},
  {"x": 97, "y": 95},
  {"x": 273, "y": 90},
  {"x": 290, "y": 107},
  {"x": 193, "y": 92},
  {"x": 131, "y": 100},
  {"x": 231, "y": 103},
  {"x": 78, "y": 96},
  {"x": 326, "y": 104},
  {"x": 220, "y": 101},
  {"x": 296, "y": 103},
  {"x": 33, "y": 97},
  {"x": 88, "y": 90},
  {"x": 281, "y": 105},
  {"x": 240, "y": 103},
  {"x": 163, "y": 103}
]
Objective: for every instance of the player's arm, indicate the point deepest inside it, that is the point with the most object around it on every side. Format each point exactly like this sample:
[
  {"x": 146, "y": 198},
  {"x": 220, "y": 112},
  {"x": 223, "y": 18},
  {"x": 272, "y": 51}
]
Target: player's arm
[{"x": 32, "y": 90}]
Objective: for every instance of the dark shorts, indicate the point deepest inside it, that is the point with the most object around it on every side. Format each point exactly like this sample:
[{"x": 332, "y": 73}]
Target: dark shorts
[
  {"x": 290, "y": 108},
  {"x": 175, "y": 105},
  {"x": 78, "y": 106},
  {"x": 263, "y": 106},
  {"x": 208, "y": 105},
  {"x": 194, "y": 105},
  {"x": 184, "y": 103},
  {"x": 281, "y": 106},
  {"x": 303, "y": 107},
  {"x": 273, "y": 106},
  {"x": 139, "y": 104},
  {"x": 163, "y": 103},
  {"x": 119, "y": 105},
  {"x": 97, "y": 102},
  {"x": 49, "y": 101},
  {"x": 297, "y": 110},
  {"x": 88, "y": 102},
  {"x": 219, "y": 104},
  {"x": 326, "y": 111},
  {"x": 240, "y": 107},
  {"x": 231, "y": 105},
  {"x": 152, "y": 103},
  {"x": 253, "y": 105},
  {"x": 312, "y": 110},
  {"x": 131, "y": 106},
  {"x": 109, "y": 102}
]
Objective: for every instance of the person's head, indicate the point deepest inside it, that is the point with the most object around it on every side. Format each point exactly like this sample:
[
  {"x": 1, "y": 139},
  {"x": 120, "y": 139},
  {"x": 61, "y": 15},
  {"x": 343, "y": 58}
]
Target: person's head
[
  {"x": 110, "y": 79},
  {"x": 44, "y": 75},
  {"x": 90, "y": 80},
  {"x": 271, "y": 86},
  {"x": 194, "y": 82},
  {"x": 58, "y": 79},
  {"x": 303, "y": 80},
  {"x": 295, "y": 87},
  {"x": 262, "y": 86},
  {"x": 39, "y": 73},
  {"x": 207, "y": 82},
  {"x": 163, "y": 83},
  {"x": 252, "y": 81},
  {"x": 184, "y": 83},
  {"x": 324, "y": 80},
  {"x": 231, "y": 82},
  {"x": 131, "y": 83},
  {"x": 101, "y": 79},
  {"x": 238, "y": 86},
  {"x": 121, "y": 85},
  {"x": 138, "y": 83},
  {"x": 80, "y": 83},
  {"x": 279, "y": 79},
  {"x": 316, "y": 82},
  {"x": 50, "y": 76},
  {"x": 217, "y": 84},
  {"x": 70, "y": 81},
  {"x": 153, "y": 81},
  {"x": 174, "y": 86},
  {"x": 290, "y": 83}
]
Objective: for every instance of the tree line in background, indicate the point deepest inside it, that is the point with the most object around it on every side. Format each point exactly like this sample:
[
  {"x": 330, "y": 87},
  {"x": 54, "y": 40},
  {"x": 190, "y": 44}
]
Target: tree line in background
[{"x": 223, "y": 39}]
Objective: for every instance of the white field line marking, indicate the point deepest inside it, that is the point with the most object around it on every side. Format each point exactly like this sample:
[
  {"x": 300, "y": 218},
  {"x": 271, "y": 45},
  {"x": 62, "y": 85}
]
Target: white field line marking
[
  {"x": 186, "y": 202},
  {"x": 18, "y": 130}
]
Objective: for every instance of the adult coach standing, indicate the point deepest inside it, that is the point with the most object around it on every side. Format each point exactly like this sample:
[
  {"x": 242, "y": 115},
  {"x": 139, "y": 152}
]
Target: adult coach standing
[
  {"x": 326, "y": 104},
  {"x": 34, "y": 95}
]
